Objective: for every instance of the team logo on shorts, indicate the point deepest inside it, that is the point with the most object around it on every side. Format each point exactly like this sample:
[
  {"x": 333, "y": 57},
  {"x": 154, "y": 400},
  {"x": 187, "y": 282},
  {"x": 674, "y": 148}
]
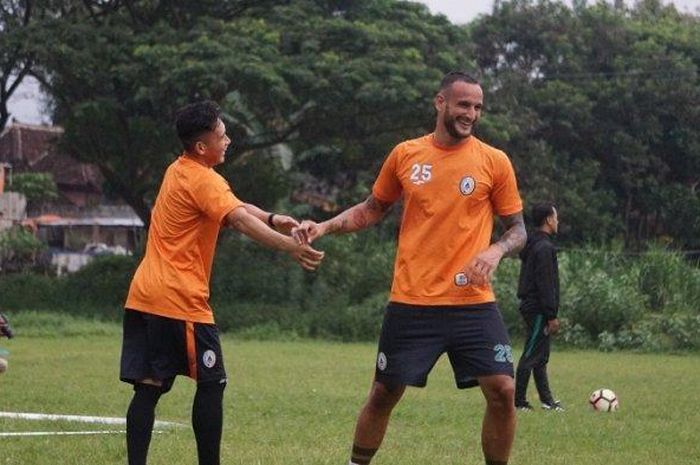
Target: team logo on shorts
[
  {"x": 461, "y": 279},
  {"x": 209, "y": 358},
  {"x": 381, "y": 361},
  {"x": 467, "y": 185}
]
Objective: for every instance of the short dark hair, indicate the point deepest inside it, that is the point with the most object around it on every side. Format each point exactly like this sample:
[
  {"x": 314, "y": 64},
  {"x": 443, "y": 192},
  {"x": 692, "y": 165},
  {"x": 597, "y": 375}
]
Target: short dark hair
[
  {"x": 195, "y": 119},
  {"x": 454, "y": 76},
  {"x": 541, "y": 212}
]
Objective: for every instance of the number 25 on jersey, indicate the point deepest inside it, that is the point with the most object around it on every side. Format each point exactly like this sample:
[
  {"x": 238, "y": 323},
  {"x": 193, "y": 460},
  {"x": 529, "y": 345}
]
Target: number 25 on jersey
[{"x": 420, "y": 174}]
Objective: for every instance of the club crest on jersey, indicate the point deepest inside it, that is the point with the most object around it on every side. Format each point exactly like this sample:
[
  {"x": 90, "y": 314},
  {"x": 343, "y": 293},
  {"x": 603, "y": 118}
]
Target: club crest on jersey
[
  {"x": 209, "y": 358},
  {"x": 381, "y": 361},
  {"x": 461, "y": 279},
  {"x": 467, "y": 185}
]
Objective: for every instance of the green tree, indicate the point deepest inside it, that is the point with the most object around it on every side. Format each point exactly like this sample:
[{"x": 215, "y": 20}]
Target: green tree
[
  {"x": 15, "y": 62},
  {"x": 22, "y": 41},
  {"x": 19, "y": 250},
  {"x": 597, "y": 101},
  {"x": 36, "y": 187},
  {"x": 334, "y": 82}
]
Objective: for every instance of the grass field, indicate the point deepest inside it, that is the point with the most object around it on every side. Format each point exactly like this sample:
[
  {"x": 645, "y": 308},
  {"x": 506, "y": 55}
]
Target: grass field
[{"x": 296, "y": 402}]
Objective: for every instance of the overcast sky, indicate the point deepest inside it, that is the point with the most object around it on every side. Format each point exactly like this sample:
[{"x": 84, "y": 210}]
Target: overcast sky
[
  {"x": 25, "y": 104},
  {"x": 462, "y": 11}
]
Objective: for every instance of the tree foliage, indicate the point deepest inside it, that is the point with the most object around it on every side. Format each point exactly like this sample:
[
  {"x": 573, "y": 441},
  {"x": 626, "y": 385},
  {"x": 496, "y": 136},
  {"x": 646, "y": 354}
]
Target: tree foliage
[
  {"x": 23, "y": 39},
  {"x": 36, "y": 187},
  {"x": 15, "y": 60},
  {"x": 19, "y": 250},
  {"x": 334, "y": 81},
  {"x": 594, "y": 103},
  {"x": 601, "y": 119}
]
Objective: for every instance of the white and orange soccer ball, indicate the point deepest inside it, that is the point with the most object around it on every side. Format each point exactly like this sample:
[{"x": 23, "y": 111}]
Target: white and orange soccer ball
[{"x": 604, "y": 400}]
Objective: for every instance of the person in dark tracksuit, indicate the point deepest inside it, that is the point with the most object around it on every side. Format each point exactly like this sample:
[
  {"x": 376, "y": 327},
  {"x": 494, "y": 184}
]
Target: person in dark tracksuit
[{"x": 538, "y": 291}]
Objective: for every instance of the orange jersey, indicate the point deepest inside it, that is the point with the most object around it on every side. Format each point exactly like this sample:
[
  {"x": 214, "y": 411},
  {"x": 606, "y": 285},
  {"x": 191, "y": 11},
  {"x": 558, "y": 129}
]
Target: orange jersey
[
  {"x": 450, "y": 197},
  {"x": 173, "y": 277}
]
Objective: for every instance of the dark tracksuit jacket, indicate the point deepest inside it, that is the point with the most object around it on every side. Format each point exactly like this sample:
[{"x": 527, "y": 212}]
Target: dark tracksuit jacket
[
  {"x": 538, "y": 291},
  {"x": 538, "y": 287}
]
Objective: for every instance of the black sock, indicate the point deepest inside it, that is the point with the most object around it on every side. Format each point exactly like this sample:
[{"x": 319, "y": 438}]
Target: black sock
[
  {"x": 496, "y": 462},
  {"x": 207, "y": 421},
  {"x": 362, "y": 455},
  {"x": 139, "y": 422}
]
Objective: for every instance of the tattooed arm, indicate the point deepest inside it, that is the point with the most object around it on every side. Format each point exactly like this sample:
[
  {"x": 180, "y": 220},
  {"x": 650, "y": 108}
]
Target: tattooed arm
[
  {"x": 513, "y": 240},
  {"x": 481, "y": 268},
  {"x": 355, "y": 218}
]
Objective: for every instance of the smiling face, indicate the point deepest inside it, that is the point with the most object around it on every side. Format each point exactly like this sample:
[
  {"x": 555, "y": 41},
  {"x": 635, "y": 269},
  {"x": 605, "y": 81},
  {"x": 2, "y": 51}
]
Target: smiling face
[
  {"x": 458, "y": 110},
  {"x": 211, "y": 148}
]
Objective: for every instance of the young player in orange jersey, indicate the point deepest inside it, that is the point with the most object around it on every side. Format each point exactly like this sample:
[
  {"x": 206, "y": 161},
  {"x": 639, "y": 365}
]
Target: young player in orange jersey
[
  {"x": 169, "y": 327},
  {"x": 441, "y": 299}
]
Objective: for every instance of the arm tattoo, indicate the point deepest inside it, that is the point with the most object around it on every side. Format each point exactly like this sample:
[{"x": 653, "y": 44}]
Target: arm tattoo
[
  {"x": 514, "y": 238},
  {"x": 360, "y": 216},
  {"x": 337, "y": 224},
  {"x": 377, "y": 205}
]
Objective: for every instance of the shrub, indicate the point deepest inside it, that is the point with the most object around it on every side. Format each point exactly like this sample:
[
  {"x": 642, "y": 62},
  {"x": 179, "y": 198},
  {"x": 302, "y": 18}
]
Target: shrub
[
  {"x": 238, "y": 316},
  {"x": 656, "y": 333},
  {"x": 683, "y": 330},
  {"x": 609, "y": 300},
  {"x": 270, "y": 331},
  {"x": 24, "y": 291},
  {"x": 19, "y": 250},
  {"x": 574, "y": 335},
  {"x": 99, "y": 288},
  {"x": 598, "y": 293},
  {"x": 245, "y": 271},
  {"x": 505, "y": 286},
  {"x": 669, "y": 282},
  {"x": 359, "y": 322},
  {"x": 55, "y": 325}
]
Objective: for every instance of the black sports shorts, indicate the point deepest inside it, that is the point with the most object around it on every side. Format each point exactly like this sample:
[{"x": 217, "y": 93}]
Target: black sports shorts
[
  {"x": 414, "y": 337},
  {"x": 161, "y": 348}
]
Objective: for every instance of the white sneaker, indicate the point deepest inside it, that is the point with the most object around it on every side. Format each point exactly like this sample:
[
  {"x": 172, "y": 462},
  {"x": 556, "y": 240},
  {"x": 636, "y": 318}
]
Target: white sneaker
[{"x": 554, "y": 406}]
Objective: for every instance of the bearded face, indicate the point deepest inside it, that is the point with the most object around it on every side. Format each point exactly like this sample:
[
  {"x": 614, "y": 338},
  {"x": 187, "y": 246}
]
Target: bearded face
[
  {"x": 459, "y": 126},
  {"x": 459, "y": 109}
]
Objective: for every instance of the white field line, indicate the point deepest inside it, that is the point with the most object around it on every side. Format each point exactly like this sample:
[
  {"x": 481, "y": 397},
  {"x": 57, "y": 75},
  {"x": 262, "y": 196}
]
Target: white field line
[
  {"x": 81, "y": 419},
  {"x": 59, "y": 433},
  {"x": 63, "y": 433}
]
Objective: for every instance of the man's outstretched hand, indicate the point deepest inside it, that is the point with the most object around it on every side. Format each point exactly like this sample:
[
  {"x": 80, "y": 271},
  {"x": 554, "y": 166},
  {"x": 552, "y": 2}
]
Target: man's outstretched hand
[
  {"x": 308, "y": 257},
  {"x": 284, "y": 224},
  {"x": 308, "y": 231}
]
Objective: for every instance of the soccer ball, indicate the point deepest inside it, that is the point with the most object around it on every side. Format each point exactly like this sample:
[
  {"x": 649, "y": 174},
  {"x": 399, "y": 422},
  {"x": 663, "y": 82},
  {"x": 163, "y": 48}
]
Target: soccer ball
[{"x": 604, "y": 400}]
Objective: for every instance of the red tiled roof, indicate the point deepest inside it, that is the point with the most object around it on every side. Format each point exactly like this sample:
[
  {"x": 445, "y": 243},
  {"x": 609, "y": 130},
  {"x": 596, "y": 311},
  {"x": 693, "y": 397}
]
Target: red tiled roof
[{"x": 32, "y": 148}]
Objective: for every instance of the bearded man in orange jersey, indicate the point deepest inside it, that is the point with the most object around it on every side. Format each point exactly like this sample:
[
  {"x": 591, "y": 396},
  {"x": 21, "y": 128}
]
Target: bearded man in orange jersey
[
  {"x": 452, "y": 185},
  {"x": 169, "y": 326}
]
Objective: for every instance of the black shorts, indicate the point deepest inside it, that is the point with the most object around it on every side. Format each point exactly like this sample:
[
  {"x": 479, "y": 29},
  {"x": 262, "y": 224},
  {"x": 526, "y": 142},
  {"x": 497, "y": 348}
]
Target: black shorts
[
  {"x": 414, "y": 337},
  {"x": 161, "y": 348}
]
